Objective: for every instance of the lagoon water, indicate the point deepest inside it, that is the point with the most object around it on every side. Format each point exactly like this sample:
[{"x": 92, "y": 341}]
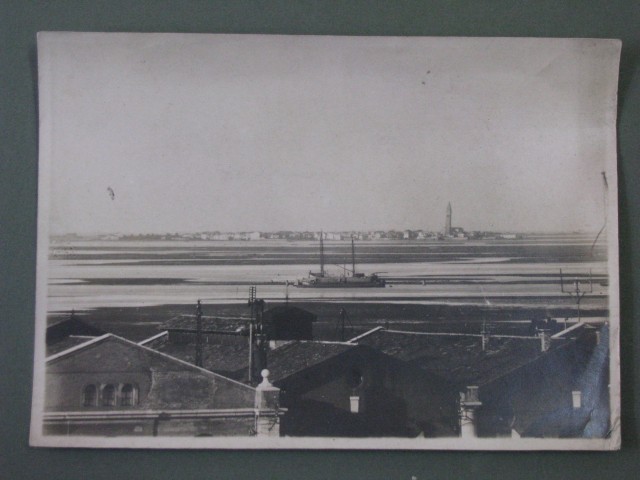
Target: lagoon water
[{"x": 92, "y": 274}]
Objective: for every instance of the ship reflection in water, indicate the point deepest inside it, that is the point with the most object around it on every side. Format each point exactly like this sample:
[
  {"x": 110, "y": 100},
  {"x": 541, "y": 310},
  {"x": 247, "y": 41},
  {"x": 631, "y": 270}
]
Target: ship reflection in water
[{"x": 348, "y": 279}]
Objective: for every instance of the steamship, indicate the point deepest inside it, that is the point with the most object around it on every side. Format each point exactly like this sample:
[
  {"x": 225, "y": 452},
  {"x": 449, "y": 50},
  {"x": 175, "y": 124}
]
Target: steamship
[{"x": 349, "y": 279}]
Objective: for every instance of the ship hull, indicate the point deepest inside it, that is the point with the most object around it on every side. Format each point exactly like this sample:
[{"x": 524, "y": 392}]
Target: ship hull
[
  {"x": 340, "y": 285},
  {"x": 341, "y": 282}
]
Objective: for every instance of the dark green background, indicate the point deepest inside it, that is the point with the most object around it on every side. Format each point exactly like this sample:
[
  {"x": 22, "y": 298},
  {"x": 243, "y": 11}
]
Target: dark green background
[{"x": 19, "y": 22}]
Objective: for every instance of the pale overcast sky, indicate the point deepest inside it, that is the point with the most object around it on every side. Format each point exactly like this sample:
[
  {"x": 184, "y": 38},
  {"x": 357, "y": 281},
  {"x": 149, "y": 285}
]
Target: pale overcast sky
[{"x": 166, "y": 133}]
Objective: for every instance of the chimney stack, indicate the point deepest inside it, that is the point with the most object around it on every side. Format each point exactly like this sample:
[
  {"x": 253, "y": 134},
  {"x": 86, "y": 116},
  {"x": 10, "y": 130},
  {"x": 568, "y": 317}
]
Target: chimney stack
[
  {"x": 469, "y": 402},
  {"x": 267, "y": 402},
  {"x": 545, "y": 340},
  {"x": 576, "y": 397},
  {"x": 354, "y": 402}
]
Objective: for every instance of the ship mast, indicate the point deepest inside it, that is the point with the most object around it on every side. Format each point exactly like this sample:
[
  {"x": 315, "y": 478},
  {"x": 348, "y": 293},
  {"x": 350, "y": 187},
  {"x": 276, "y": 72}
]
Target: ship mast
[{"x": 353, "y": 258}]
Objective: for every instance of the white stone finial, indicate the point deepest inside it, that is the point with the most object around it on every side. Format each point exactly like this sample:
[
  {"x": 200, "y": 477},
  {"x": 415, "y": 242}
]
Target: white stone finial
[{"x": 265, "y": 378}]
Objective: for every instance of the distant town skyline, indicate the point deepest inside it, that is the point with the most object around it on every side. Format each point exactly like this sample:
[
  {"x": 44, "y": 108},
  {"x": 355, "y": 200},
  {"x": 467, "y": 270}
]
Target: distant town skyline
[
  {"x": 328, "y": 234},
  {"x": 448, "y": 230},
  {"x": 195, "y": 133}
]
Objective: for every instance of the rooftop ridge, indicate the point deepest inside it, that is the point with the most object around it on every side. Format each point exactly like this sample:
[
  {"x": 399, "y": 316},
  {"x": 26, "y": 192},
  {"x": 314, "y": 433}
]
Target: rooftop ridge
[
  {"x": 201, "y": 369},
  {"x": 457, "y": 334},
  {"x": 365, "y": 334},
  {"x": 561, "y": 333},
  {"x": 215, "y": 317},
  {"x": 539, "y": 356},
  {"x": 151, "y": 350},
  {"x": 152, "y": 338},
  {"x": 78, "y": 347},
  {"x": 325, "y": 342}
]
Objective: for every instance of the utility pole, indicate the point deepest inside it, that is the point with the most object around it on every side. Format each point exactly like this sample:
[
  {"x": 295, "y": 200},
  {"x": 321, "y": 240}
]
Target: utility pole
[
  {"x": 199, "y": 362},
  {"x": 341, "y": 325},
  {"x": 576, "y": 292},
  {"x": 252, "y": 304},
  {"x": 256, "y": 332},
  {"x": 353, "y": 258}
]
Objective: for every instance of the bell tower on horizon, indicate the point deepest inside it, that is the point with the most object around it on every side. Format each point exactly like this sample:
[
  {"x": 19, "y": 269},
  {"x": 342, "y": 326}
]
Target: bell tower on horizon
[{"x": 447, "y": 223}]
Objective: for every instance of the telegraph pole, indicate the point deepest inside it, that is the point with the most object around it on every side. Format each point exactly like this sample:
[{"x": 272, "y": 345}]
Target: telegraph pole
[
  {"x": 353, "y": 258},
  {"x": 341, "y": 326},
  {"x": 576, "y": 292},
  {"x": 252, "y": 304},
  {"x": 199, "y": 362}
]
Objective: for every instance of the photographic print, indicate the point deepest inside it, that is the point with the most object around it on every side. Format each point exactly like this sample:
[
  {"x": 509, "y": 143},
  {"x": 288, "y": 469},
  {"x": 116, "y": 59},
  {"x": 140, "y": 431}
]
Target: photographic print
[{"x": 264, "y": 241}]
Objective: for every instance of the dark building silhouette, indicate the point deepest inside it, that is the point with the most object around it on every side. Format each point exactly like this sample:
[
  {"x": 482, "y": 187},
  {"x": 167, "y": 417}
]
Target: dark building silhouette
[
  {"x": 342, "y": 389},
  {"x": 69, "y": 332},
  {"x": 529, "y": 386},
  {"x": 287, "y": 322}
]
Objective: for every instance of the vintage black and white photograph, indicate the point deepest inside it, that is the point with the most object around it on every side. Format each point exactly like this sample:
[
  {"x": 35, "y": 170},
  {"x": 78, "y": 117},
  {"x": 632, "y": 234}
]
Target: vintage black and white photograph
[{"x": 263, "y": 241}]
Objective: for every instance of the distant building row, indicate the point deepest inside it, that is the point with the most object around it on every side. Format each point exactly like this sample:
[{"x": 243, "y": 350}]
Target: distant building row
[{"x": 454, "y": 233}]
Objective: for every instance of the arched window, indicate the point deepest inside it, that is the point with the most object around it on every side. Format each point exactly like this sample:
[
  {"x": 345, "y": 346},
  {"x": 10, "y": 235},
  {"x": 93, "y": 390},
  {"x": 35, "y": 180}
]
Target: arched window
[
  {"x": 128, "y": 395},
  {"x": 108, "y": 396},
  {"x": 89, "y": 396}
]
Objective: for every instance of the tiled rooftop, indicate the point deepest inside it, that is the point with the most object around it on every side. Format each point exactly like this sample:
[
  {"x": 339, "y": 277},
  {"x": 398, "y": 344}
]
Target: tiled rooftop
[
  {"x": 66, "y": 343},
  {"x": 459, "y": 359},
  {"x": 174, "y": 385},
  {"x": 209, "y": 324},
  {"x": 299, "y": 355},
  {"x": 232, "y": 360},
  {"x": 228, "y": 360}
]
